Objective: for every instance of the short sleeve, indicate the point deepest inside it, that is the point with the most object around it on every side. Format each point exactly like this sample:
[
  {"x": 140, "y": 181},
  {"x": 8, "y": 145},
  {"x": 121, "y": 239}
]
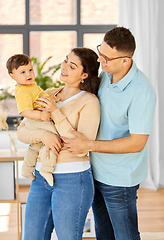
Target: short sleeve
[
  {"x": 24, "y": 100},
  {"x": 141, "y": 113}
]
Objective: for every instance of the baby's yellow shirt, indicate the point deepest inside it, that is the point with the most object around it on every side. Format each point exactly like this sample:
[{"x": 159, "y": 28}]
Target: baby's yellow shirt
[{"x": 26, "y": 95}]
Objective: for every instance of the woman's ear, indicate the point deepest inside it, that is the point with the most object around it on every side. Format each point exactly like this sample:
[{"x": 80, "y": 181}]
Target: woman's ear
[{"x": 84, "y": 75}]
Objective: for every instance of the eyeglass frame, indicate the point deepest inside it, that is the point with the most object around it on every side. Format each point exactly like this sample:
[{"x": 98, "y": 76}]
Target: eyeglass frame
[{"x": 107, "y": 59}]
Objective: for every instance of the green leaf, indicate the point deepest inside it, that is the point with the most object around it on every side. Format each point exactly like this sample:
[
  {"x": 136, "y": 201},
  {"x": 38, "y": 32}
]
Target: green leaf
[
  {"x": 42, "y": 66},
  {"x": 42, "y": 79}
]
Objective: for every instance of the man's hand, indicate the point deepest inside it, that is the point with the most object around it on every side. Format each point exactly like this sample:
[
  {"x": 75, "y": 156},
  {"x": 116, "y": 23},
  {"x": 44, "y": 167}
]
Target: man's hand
[
  {"x": 78, "y": 145},
  {"x": 53, "y": 142},
  {"x": 45, "y": 115}
]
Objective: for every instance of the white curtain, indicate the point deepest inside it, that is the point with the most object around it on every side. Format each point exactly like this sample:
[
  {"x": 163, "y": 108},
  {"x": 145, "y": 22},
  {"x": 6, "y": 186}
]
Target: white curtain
[{"x": 141, "y": 17}]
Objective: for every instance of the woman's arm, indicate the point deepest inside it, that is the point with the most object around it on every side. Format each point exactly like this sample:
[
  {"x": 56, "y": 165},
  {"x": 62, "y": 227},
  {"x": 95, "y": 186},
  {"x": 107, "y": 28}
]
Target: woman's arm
[
  {"x": 89, "y": 117},
  {"x": 88, "y": 121},
  {"x": 61, "y": 122},
  {"x": 50, "y": 140}
]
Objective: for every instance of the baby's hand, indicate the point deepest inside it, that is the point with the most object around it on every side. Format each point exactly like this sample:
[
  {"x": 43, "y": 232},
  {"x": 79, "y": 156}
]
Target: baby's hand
[{"x": 45, "y": 116}]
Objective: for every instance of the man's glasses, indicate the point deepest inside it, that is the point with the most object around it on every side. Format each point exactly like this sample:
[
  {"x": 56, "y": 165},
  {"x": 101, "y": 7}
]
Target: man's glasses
[{"x": 105, "y": 58}]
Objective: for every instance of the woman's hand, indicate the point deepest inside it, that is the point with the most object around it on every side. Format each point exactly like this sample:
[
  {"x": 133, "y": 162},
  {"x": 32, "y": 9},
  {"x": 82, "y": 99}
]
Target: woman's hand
[
  {"x": 53, "y": 142},
  {"x": 47, "y": 102}
]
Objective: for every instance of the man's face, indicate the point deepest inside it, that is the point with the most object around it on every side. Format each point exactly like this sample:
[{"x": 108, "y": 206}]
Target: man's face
[{"x": 107, "y": 59}]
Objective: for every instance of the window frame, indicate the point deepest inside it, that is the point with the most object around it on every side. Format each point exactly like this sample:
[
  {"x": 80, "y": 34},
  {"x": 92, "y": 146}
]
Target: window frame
[
  {"x": 26, "y": 28},
  {"x": 78, "y": 27}
]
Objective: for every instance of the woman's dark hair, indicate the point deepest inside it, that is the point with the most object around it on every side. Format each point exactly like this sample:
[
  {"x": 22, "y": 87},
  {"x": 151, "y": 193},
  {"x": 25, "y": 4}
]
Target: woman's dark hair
[
  {"x": 90, "y": 65},
  {"x": 122, "y": 39},
  {"x": 17, "y": 60}
]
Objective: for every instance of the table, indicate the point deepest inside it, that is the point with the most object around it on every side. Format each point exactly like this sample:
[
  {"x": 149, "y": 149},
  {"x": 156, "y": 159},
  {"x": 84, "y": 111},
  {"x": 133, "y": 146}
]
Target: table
[{"x": 8, "y": 156}]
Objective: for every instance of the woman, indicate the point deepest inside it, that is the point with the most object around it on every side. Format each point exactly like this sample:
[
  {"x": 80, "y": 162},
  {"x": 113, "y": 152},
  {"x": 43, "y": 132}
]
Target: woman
[{"x": 65, "y": 204}]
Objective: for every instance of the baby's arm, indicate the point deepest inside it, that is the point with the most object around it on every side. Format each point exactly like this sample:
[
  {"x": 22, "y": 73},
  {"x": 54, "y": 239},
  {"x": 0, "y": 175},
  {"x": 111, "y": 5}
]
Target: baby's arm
[{"x": 38, "y": 115}]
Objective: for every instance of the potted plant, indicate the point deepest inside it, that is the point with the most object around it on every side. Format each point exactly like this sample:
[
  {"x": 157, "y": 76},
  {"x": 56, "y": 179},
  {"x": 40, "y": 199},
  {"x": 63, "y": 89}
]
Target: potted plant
[{"x": 42, "y": 79}]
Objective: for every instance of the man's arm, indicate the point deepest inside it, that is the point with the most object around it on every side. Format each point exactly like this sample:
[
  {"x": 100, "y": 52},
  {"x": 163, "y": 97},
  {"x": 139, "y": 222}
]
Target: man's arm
[{"x": 133, "y": 143}]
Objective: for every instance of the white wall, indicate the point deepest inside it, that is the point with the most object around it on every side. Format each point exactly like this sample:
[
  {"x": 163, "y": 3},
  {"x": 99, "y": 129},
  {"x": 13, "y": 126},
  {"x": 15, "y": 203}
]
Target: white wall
[{"x": 160, "y": 82}]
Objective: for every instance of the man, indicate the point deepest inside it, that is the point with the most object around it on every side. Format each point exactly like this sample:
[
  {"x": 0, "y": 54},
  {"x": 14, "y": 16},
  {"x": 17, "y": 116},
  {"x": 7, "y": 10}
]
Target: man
[{"x": 119, "y": 154}]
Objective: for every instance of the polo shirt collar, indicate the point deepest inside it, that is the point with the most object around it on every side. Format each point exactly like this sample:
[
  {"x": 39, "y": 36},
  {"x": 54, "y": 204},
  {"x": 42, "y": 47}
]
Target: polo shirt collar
[{"x": 122, "y": 84}]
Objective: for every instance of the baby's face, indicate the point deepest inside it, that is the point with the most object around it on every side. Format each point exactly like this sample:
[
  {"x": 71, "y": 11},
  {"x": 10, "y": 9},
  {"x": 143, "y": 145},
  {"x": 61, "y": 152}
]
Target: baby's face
[{"x": 24, "y": 75}]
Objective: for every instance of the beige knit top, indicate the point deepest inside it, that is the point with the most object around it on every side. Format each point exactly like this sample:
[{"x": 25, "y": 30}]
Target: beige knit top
[{"x": 81, "y": 114}]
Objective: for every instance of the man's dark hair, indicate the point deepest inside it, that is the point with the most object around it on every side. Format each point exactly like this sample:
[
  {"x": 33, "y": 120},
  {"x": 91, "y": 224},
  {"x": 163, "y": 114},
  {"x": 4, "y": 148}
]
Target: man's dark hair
[
  {"x": 17, "y": 60},
  {"x": 122, "y": 39}
]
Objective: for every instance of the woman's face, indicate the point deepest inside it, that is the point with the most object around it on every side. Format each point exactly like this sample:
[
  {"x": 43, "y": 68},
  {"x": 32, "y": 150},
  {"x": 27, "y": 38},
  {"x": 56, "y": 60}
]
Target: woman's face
[{"x": 72, "y": 70}]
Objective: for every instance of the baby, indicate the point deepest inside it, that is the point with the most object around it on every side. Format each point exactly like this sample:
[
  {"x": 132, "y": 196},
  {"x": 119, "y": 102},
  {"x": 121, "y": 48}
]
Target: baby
[{"x": 26, "y": 92}]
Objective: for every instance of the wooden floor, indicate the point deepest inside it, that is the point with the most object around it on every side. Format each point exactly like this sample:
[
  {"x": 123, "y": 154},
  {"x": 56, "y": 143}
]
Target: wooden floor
[
  {"x": 150, "y": 213},
  {"x": 151, "y": 210}
]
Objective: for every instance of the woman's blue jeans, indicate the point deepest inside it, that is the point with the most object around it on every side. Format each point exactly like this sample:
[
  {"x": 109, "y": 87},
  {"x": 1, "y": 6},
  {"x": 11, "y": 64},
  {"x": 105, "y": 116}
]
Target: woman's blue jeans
[
  {"x": 115, "y": 212},
  {"x": 63, "y": 206}
]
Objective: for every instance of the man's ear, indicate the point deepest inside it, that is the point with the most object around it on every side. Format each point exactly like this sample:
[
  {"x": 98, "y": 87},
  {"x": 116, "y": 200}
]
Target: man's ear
[
  {"x": 126, "y": 61},
  {"x": 12, "y": 76}
]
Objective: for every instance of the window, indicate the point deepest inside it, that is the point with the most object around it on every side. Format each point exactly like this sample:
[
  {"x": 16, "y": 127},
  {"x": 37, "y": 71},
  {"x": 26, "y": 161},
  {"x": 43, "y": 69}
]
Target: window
[{"x": 42, "y": 28}]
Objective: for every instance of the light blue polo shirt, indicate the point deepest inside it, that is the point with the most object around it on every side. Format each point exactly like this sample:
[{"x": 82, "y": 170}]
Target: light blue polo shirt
[{"x": 126, "y": 107}]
